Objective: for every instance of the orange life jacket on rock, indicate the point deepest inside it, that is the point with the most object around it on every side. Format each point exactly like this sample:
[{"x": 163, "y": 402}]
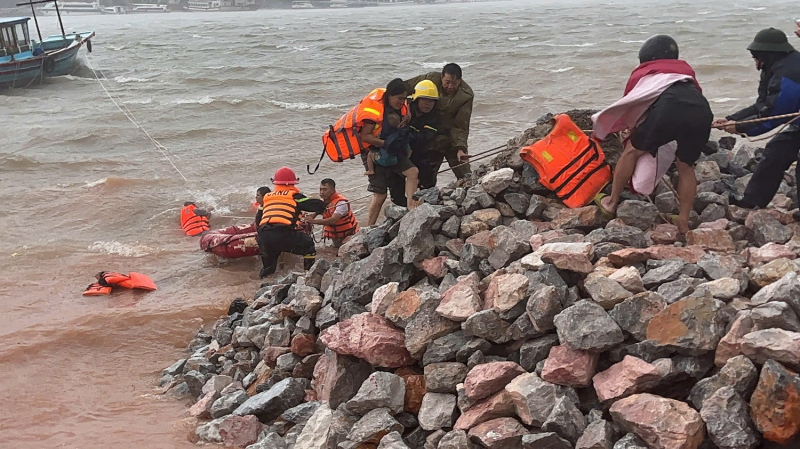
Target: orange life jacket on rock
[
  {"x": 343, "y": 139},
  {"x": 191, "y": 223},
  {"x": 280, "y": 207},
  {"x": 346, "y": 226},
  {"x": 569, "y": 163}
]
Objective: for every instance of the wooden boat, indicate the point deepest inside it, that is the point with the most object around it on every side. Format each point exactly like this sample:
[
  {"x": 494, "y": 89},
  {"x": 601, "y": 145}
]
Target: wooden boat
[{"x": 23, "y": 60}]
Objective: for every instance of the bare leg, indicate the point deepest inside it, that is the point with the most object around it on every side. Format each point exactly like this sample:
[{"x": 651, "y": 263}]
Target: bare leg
[
  {"x": 375, "y": 207},
  {"x": 623, "y": 173},
  {"x": 412, "y": 182},
  {"x": 687, "y": 192}
]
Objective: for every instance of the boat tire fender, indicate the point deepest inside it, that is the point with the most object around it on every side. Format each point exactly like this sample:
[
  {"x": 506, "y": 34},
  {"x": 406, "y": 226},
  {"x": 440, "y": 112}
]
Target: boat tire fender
[
  {"x": 49, "y": 64},
  {"x": 88, "y": 45}
]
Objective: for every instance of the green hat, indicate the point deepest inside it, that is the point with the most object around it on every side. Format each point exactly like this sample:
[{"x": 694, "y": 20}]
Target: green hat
[{"x": 771, "y": 39}]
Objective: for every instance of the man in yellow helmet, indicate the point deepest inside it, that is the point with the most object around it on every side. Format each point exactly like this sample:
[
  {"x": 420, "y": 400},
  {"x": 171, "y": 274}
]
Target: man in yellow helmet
[{"x": 455, "y": 106}]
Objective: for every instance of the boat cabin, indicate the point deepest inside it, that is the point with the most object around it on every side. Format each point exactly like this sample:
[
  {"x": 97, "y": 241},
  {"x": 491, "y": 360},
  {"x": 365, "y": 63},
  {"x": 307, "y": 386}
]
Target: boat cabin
[{"x": 15, "y": 40}]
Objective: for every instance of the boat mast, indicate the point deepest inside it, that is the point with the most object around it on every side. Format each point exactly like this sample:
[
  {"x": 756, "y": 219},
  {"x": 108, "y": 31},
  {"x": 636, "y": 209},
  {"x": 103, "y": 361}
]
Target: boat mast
[{"x": 32, "y": 2}]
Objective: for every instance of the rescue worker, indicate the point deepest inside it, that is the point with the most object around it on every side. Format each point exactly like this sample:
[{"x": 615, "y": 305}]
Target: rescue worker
[
  {"x": 663, "y": 104},
  {"x": 194, "y": 221},
  {"x": 424, "y": 125},
  {"x": 277, "y": 231},
  {"x": 778, "y": 93},
  {"x": 338, "y": 220},
  {"x": 455, "y": 105}
]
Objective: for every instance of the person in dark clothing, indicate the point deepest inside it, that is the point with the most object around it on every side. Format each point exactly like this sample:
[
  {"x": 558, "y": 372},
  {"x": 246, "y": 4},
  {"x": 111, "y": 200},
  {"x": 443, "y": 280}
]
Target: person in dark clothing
[
  {"x": 424, "y": 127},
  {"x": 277, "y": 231},
  {"x": 395, "y": 144},
  {"x": 778, "y": 94}
]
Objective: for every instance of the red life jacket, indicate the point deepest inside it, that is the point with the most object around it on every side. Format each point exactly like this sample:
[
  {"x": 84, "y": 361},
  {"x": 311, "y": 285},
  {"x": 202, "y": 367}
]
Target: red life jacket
[
  {"x": 345, "y": 226},
  {"x": 569, "y": 163},
  {"x": 191, "y": 223}
]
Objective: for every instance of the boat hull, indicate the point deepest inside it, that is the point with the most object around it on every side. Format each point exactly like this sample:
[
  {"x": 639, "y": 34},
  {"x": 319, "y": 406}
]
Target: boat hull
[
  {"x": 231, "y": 243},
  {"x": 22, "y": 72}
]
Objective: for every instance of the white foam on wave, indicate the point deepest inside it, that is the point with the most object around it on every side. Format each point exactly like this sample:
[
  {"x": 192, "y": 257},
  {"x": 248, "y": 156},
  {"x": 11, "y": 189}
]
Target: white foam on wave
[
  {"x": 515, "y": 38},
  {"x": 704, "y": 13},
  {"x": 209, "y": 199},
  {"x": 300, "y": 48},
  {"x": 561, "y": 70},
  {"x": 344, "y": 31},
  {"x": 113, "y": 48},
  {"x": 300, "y": 106},
  {"x": 91, "y": 184},
  {"x": 130, "y": 79},
  {"x": 142, "y": 101},
  {"x": 214, "y": 67},
  {"x": 526, "y": 97},
  {"x": 723, "y": 100},
  {"x": 439, "y": 65},
  {"x": 121, "y": 249},
  {"x": 197, "y": 36},
  {"x": 585, "y": 44},
  {"x": 761, "y": 8},
  {"x": 633, "y": 42},
  {"x": 202, "y": 100}
]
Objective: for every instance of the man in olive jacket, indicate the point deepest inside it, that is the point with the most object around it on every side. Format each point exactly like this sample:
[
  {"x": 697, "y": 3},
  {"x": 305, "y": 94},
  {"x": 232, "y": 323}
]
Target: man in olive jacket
[{"x": 455, "y": 105}]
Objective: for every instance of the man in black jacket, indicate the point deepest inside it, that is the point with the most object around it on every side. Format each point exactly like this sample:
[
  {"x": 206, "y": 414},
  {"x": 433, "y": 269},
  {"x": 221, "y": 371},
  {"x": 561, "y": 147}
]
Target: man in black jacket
[{"x": 778, "y": 93}]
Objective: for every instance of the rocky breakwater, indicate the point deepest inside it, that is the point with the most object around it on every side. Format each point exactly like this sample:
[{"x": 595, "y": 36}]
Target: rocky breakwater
[{"x": 493, "y": 317}]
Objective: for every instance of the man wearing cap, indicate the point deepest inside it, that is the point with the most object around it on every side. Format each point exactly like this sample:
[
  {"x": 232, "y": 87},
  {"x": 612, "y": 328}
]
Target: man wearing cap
[{"x": 778, "y": 94}]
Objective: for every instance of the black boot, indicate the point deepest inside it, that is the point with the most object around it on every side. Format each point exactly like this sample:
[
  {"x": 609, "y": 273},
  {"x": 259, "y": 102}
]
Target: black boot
[
  {"x": 308, "y": 262},
  {"x": 734, "y": 201}
]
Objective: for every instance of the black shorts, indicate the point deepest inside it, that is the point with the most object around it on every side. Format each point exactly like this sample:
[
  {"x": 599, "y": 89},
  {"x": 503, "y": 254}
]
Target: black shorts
[
  {"x": 681, "y": 113},
  {"x": 379, "y": 181}
]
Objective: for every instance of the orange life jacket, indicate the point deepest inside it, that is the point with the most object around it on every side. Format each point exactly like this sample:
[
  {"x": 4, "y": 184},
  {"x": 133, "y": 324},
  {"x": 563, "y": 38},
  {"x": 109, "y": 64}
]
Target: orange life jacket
[
  {"x": 132, "y": 280},
  {"x": 569, "y": 163},
  {"x": 96, "y": 290},
  {"x": 280, "y": 207},
  {"x": 343, "y": 139},
  {"x": 191, "y": 223},
  {"x": 346, "y": 226}
]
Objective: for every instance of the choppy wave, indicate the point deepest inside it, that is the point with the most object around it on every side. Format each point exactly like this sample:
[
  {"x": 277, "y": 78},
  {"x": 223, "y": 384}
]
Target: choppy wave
[
  {"x": 306, "y": 106},
  {"x": 723, "y": 100},
  {"x": 140, "y": 101},
  {"x": 122, "y": 249},
  {"x": 585, "y": 44},
  {"x": 130, "y": 79},
  {"x": 761, "y": 8},
  {"x": 633, "y": 42},
  {"x": 91, "y": 184},
  {"x": 202, "y": 100},
  {"x": 561, "y": 70}
]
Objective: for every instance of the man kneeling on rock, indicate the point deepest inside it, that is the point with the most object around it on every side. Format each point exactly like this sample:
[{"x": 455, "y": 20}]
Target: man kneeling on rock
[{"x": 667, "y": 114}]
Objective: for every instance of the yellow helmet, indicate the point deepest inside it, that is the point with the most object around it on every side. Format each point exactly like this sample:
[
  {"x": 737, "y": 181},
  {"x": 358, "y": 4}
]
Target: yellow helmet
[{"x": 425, "y": 89}]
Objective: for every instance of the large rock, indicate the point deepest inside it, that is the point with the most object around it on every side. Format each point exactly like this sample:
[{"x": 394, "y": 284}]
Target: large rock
[
  {"x": 767, "y": 229},
  {"x": 415, "y": 234},
  {"x": 711, "y": 239},
  {"x": 739, "y": 373},
  {"x": 771, "y": 272},
  {"x": 662, "y": 423},
  {"x": 587, "y": 326},
  {"x": 605, "y": 291},
  {"x": 692, "y": 326},
  {"x": 462, "y": 300},
  {"x": 506, "y": 291},
  {"x": 373, "y": 427},
  {"x": 359, "y": 280},
  {"x": 426, "y": 326},
  {"x": 584, "y": 218},
  {"x": 776, "y": 344},
  {"x": 775, "y": 404},
  {"x": 630, "y": 376},
  {"x": 727, "y": 418},
  {"x": 227, "y": 404},
  {"x": 443, "y": 377},
  {"x": 578, "y": 263},
  {"x": 639, "y": 214},
  {"x": 767, "y": 253},
  {"x": 369, "y": 337},
  {"x": 455, "y": 439},
  {"x": 496, "y": 406},
  {"x": 775, "y": 314},
  {"x": 620, "y": 234},
  {"x": 437, "y": 411},
  {"x": 543, "y": 306},
  {"x": 445, "y": 349},
  {"x": 730, "y": 345},
  {"x": 498, "y": 433},
  {"x": 392, "y": 440},
  {"x": 786, "y": 289},
  {"x": 497, "y": 181},
  {"x": 380, "y": 390},
  {"x": 629, "y": 278},
  {"x": 629, "y": 256},
  {"x": 565, "y": 420},
  {"x": 534, "y": 398},
  {"x": 404, "y": 306},
  {"x": 534, "y": 351},
  {"x": 569, "y": 367},
  {"x": 724, "y": 289},
  {"x": 337, "y": 378},
  {"x": 272, "y": 403},
  {"x": 239, "y": 431},
  {"x": 634, "y": 314},
  {"x": 598, "y": 435},
  {"x": 545, "y": 440},
  {"x": 484, "y": 380},
  {"x": 666, "y": 272},
  {"x": 507, "y": 246},
  {"x": 488, "y": 325}
]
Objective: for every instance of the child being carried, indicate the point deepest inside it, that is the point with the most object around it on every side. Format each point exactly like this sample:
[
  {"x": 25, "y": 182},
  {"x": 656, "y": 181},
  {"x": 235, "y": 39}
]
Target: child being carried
[{"x": 395, "y": 144}]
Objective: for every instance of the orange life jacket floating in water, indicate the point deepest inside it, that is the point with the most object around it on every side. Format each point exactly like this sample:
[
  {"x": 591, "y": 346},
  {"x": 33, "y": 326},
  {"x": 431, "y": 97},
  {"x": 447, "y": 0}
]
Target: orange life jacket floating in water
[
  {"x": 191, "y": 223},
  {"x": 131, "y": 280},
  {"x": 346, "y": 226},
  {"x": 570, "y": 163},
  {"x": 343, "y": 139},
  {"x": 96, "y": 290}
]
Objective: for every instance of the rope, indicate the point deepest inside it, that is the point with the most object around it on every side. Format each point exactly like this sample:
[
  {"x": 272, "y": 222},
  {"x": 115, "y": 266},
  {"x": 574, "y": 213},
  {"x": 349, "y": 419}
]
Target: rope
[{"x": 129, "y": 115}]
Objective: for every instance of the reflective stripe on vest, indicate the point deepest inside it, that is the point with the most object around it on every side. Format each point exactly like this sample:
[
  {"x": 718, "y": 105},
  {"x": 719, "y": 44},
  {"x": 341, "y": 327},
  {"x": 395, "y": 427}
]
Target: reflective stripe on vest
[
  {"x": 191, "y": 223},
  {"x": 280, "y": 207},
  {"x": 346, "y": 226},
  {"x": 569, "y": 163}
]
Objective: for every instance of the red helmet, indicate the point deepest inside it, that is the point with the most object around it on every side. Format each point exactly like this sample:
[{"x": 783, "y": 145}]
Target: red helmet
[{"x": 285, "y": 176}]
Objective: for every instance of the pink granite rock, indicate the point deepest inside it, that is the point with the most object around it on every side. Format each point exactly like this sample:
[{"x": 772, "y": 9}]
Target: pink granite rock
[
  {"x": 462, "y": 300},
  {"x": 487, "y": 379},
  {"x": 240, "y": 431},
  {"x": 630, "y": 376},
  {"x": 662, "y": 423},
  {"x": 369, "y": 337},
  {"x": 569, "y": 367}
]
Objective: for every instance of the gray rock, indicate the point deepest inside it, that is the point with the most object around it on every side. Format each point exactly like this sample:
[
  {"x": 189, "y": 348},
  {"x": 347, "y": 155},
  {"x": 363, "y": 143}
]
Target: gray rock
[
  {"x": 314, "y": 276},
  {"x": 209, "y": 432},
  {"x": 535, "y": 398},
  {"x": 380, "y": 390},
  {"x": 519, "y": 202},
  {"x": 488, "y": 325},
  {"x": 667, "y": 203},
  {"x": 605, "y": 292},
  {"x": 426, "y": 325},
  {"x": 301, "y": 413},
  {"x": 342, "y": 378},
  {"x": 416, "y": 236},
  {"x": 565, "y": 420},
  {"x": 679, "y": 289},
  {"x": 776, "y": 314},
  {"x": 630, "y": 441},
  {"x": 722, "y": 266},
  {"x": 785, "y": 289},
  {"x": 476, "y": 199},
  {"x": 471, "y": 256},
  {"x": 545, "y": 440},
  {"x": 705, "y": 199},
  {"x": 639, "y": 214},
  {"x": 739, "y": 373},
  {"x": 713, "y": 212},
  {"x": 451, "y": 227},
  {"x": 326, "y": 317},
  {"x": 443, "y": 377},
  {"x": 727, "y": 418},
  {"x": 437, "y": 411},
  {"x": 434, "y": 438},
  {"x": 624, "y": 235},
  {"x": 472, "y": 346},
  {"x": 444, "y": 349},
  {"x": 536, "y": 207},
  {"x": 668, "y": 272},
  {"x": 195, "y": 382},
  {"x": 598, "y": 435},
  {"x": 278, "y": 336},
  {"x": 272, "y": 403},
  {"x": 455, "y": 439},
  {"x": 587, "y": 326},
  {"x": 374, "y": 425},
  {"x": 319, "y": 431},
  {"x": 545, "y": 303},
  {"x": 394, "y": 212},
  {"x": 497, "y": 181},
  {"x": 174, "y": 369},
  {"x": 534, "y": 351},
  {"x": 523, "y": 329},
  {"x": 360, "y": 279},
  {"x": 269, "y": 440},
  {"x": 634, "y": 314},
  {"x": 524, "y": 229},
  {"x": 508, "y": 247},
  {"x": 228, "y": 403},
  {"x": 767, "y": 228},
  {"x": 392, "y": 440}
]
